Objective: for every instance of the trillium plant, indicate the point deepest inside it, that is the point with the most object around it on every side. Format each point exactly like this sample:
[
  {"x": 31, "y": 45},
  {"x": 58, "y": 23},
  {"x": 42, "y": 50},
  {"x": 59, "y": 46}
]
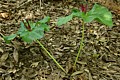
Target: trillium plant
[
  {"x": 98, "y": 13},
  {"x": 33, "y": 31}
]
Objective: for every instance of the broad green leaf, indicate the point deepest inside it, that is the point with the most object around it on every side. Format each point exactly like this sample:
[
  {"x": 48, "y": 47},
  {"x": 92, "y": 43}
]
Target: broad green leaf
[
  {"x": 36, "y": 33},
  {"x": 27, "y": 37},
  {"x": 64, "y": 20},
  {"x": 106, "y": 19},
  {"x": 77, "y": 13},
  {"x": 22, "y": 28},
  {"x": 9, "y": 38},
  {"x": 46, "y": 19},
  {"x": 32, "y": 24},
  {"x": 99, "y": 13},
  {"x": 24, "y": 33},
  {"x": 33, "y": 35},
  {"x": 45, "y": 26},
  {"x": 88, "y": 18},
  {"x": 85, "y": 17}
]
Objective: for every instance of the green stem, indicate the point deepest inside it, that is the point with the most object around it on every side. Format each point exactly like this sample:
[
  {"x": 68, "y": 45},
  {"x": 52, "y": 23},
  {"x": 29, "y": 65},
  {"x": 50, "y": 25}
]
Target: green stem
[
  {"x": 81, "y": 45},
  {"x": 50, "y": 56}
]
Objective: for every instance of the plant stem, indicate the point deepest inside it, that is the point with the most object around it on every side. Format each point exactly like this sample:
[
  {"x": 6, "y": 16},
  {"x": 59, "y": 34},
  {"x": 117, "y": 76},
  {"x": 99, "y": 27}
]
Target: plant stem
[
  {"x": 50, "y": 56},
  {"x": 81, "y": 44}
]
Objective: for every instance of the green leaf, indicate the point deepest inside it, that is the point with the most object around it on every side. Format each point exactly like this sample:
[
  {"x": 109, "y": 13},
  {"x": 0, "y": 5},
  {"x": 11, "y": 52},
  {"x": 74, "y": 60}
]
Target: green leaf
[
  {"x": 106, "y": 19},
  {"x": 88, "y": 18},
  {"x": 99, "y": 13},
  {"x": 9, "y": 38},
  {"x": 32, "y": 36},
  {"x": 77, "y": 13},
  {"x": 26, "y": 37},
  {"x": 36, "y": 36},
  {"x": 64, "y": 20},
  {"x": 45, "y": 26},
  {"x": 24, "y": 33},
  {"x": 29, "y": 36},
  {"x": 32, "y": 24},
  {"x": 37, "y": 32},
  {"x": 22, "y": 28},
  {"x": 46, "y": 19}
]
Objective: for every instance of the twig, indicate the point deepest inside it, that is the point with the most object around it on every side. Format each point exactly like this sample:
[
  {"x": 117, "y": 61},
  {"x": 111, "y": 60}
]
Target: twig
[
  {"x": 40, "y": 4},
  {"x": 24, "y": 3}
]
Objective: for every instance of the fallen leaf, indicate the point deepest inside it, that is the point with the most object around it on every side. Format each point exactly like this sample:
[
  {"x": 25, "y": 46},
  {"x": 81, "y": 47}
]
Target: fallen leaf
[
  {"x": 4, "y": 15},
  {"x": 1, "y": 50},
  {"x": 29, "y": 16},
  {"x": 90, "y": 76},
  {"x": 15, "y": 55},
  {"x": 76, "y": 73},
  {"x": 102, "y": 39},
  {"x": 12, "y": 70},
  {"x": 34, "y": 64},
  {"x": 4, "y": 57}
]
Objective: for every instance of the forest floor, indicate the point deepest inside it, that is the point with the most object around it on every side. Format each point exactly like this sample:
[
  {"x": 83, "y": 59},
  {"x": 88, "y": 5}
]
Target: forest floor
[{"x": 99, "y": 59}]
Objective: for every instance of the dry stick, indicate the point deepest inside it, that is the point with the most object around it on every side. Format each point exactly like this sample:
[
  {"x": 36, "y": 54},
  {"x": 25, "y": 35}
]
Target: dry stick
[
  {"x": 40, "y": 4},
  {"x": 24, "y": 3}
]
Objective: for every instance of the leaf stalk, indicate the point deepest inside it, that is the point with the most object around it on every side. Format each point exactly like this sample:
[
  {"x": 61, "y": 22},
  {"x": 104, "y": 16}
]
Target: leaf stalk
[
  {"x": 81, "y": 44},
  {"x": 51, "y": 56}
]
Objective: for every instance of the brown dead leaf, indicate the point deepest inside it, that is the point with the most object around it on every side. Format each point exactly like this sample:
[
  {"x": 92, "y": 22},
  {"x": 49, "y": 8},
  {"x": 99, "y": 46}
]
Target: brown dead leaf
[
  {"x": 4, "y": 15},
  {"x": 15, "y": 55},
  {"x": 34, "y": 64},
  {"x": 1, "y": 50},
  {"x": 90, "y": 76},
  {"x": 29, "y": 16},
  {"x": 76, "y": 73},
  {"x": 4, "y": 57}
]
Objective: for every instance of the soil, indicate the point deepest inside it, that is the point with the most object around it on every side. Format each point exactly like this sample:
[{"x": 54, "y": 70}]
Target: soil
[{"x": 99, "y": 59}]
